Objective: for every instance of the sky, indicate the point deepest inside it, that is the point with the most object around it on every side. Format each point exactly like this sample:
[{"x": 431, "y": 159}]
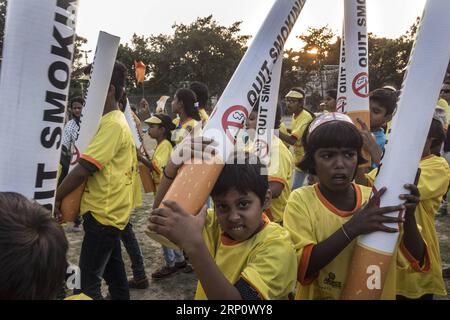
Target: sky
[{"x": 386, "y": 18}]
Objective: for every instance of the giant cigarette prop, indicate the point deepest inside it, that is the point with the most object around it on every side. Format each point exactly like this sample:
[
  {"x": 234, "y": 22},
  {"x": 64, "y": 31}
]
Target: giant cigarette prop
[
  {"x": 341, "y": 100},
  {"x": 411, "y": 124},
  {"x": 146, "y": 178},
  {"x": 194, "y": 182},
  {"x": 268, "y": 101},
  {"x": 236, "y": 103},
  {"x": 356, "y": 63},
  {"x": 101, "y": 72},
  {"x": 35, "y": 75}
]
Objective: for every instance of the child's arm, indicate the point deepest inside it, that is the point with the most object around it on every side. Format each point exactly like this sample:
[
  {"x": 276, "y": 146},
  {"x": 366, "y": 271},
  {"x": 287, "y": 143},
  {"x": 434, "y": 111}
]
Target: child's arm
[
  {"x": 186, "y": 231},
  {"x": 291, "y": 140},
  {"x": 181, "y": 154},
  {"x": 142, "y": 159},
  {"x": 368, "y": 219}
]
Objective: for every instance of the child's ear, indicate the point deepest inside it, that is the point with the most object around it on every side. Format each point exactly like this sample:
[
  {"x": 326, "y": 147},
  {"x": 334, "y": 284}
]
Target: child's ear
[{"x": 267, "y": 200}]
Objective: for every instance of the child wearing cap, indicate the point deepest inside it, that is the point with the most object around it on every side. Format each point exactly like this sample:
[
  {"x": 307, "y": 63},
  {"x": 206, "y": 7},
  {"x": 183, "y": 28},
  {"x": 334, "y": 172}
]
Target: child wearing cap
[
  {"x": 301, "y": 117},
  {"x": 160, "y": 129}
]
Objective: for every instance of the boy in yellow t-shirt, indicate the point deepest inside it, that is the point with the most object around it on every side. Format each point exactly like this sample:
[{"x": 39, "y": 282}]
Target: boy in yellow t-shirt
[
  {"x": 279, "y": 171},
  {"x": 434, "y": 178},
  {"x": 301, "y": 117},
  {"x": 236, "y": 252},
  {"x": 107, "y": 166},
  {"x": 325, "y": 219}
]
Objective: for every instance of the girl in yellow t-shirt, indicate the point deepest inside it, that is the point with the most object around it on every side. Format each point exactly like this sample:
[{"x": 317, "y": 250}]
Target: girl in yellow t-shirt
[
  {"x": 324, "y": 219},
  {"x": 184, "y": 105}
]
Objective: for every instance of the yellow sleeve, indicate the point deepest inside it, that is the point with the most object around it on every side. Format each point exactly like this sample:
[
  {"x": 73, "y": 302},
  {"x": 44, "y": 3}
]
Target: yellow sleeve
[
  {"x": 211, "y": 231},
  {"x": 161, "y": 157},
  {"x": 371, "y": 176},
  {"x": 298, "y": 131},
  {"x": 434, "y": 179},
  {"x": 272, "y": 269},
  {"x": 299, "y": 224},
  {"x": 278, "y": 169},
  {"x": 105, "y": 145}
]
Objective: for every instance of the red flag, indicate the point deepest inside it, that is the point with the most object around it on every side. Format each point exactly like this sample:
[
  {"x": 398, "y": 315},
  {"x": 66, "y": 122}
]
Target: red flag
[{"x": 140, "y": 71}]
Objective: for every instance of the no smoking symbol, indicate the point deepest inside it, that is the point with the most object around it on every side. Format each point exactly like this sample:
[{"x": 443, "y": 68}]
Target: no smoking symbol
[{"x": 360, "y": 85}]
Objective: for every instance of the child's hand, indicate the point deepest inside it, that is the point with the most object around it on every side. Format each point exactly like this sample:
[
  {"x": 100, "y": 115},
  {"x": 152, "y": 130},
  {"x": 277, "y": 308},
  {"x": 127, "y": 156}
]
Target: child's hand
[
  {"x": 196, "y": 148},
  {"x": 177, "y": 225},
  {"x": 369, "y": 143},
  {"x": 371, "y": 218},
  {"x": 412, "y": 199}
]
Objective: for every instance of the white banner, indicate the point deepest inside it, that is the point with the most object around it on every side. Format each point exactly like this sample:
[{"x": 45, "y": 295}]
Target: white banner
[
  {"x": 356, "y": 56},
  {"x": 246, "y": 85},
  {"x": 101, "y": 72},
  {"x": 420, "y": 90},
  {"x": 137, "y": 137},
  {"x": 268, "y": 102},
  {"x": 35, "y": 76},
  {"x": 341, "y": 100}
]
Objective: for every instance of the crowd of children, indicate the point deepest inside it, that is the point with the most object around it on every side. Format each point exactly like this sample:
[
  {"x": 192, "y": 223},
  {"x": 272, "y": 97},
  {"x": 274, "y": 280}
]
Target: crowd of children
[{"x": 273, "y": 235}]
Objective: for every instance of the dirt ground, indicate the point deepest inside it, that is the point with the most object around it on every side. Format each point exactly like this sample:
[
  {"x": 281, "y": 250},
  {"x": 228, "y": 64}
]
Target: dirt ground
[{"x": 182, "y": 286}]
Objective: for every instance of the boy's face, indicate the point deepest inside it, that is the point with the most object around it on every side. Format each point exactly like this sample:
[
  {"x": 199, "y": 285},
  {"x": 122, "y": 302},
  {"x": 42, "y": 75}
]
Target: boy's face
[
  {"x": 76, "y": 109},
  {"x": 335, "y": 167},
  {"x": 154, "y": 131},
  {"x": 378, "y": 116},
  {"x": 239, "y": 214},
  {"x": 294, "y": 105}
]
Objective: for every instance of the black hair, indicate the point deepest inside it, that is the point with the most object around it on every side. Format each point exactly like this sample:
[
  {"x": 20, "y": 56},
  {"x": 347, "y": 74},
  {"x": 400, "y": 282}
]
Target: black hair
[
  {"x": 201, "y": 91},
  {"x": 334, "y": 134},
  {"x": 437, "y": 134},
  {"x": 80, "y": 100},
  {"x": 33, "y": 250},
  {"x": 168, "y": 125},
  {"x": 244, "y": 176},
  {"x": 387, "y": 99},
  {"x": 188, "y": 98},
  {"x": 332, "y": 93},
  {"x": 118, "y": 79}
]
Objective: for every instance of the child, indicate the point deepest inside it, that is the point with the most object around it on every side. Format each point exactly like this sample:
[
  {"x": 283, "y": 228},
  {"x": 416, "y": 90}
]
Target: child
[
  {"x": 33, "y": 250},
  {"x": 201, "y": 92},
  {"x": 160, "y": 129},
  {"x": 237, "y": 253},
  {"x": 280, "y": 169},
  {"x": 433, "y": 184},
  {"x": 295, "y": 100},
  {"x": 325, "y": 219},
  {"x": 383, "y": 103},
  {"x": 107, "y": 166},
  {"x": 184, "y": 104}
]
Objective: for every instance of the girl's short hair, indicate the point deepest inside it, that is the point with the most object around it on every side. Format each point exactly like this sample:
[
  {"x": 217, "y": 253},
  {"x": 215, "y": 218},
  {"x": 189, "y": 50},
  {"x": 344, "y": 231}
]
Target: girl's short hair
[{"x": 334, "y": 134}]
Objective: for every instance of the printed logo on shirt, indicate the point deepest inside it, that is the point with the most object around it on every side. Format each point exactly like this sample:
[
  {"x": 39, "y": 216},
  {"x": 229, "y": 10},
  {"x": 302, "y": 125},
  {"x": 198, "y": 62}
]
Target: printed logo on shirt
[{"x": 330, "y": 280}]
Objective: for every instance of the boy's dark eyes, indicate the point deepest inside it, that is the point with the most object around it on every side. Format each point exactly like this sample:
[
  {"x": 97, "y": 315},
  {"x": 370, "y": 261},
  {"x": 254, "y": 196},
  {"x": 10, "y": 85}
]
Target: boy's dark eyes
[
  {"x": 350, "y": 154},
  {"x": 243, "y": 204}
]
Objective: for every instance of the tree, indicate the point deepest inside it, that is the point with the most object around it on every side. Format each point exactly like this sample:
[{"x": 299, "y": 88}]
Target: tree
[{"x": 201, "y": 51}]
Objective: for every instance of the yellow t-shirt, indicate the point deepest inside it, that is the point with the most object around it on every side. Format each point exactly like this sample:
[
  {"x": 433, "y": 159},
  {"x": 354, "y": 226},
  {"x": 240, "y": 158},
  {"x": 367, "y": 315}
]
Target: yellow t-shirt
[
  {"x": 80, "y": 296},
  {"x": 298, "y": 125},
  {"x": 444, "y": 105},
  {"x": 280, "y": 170},
  {"x": 182, "y": 129},
  {"x": 159, "y": 160},
  {"x": 266, "y": 261},
  {"x": 203, "y": 115},
  {"x": 137, "y": 193},
  {"x": 433, "y": 183},
  {"x": 109, "y": 192},
  {"x": 311, "y": 219}
]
